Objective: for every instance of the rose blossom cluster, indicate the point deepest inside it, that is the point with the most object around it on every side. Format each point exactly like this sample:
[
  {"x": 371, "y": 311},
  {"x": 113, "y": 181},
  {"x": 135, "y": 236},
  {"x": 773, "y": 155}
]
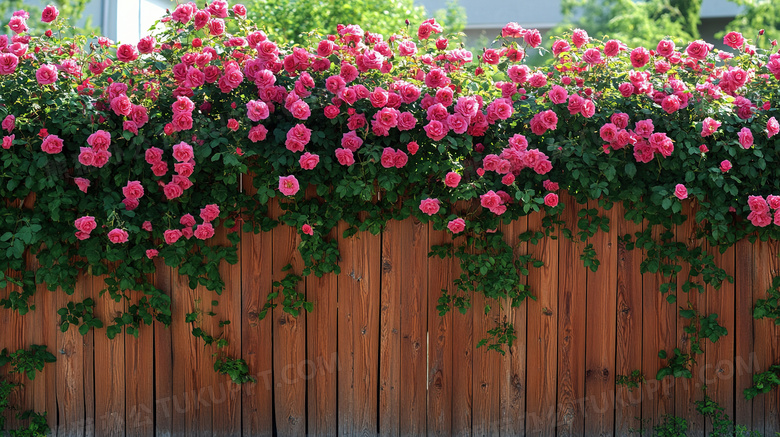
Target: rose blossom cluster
[
  {"x": 761, "y": 214},
  {"x": 97, "y": 154}
]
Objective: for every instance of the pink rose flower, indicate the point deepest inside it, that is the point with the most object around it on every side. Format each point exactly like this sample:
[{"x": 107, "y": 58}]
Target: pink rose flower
[
  {"x": 307, "y": 229},
  {"x": 388, "y": 157},
  {"x": 412, "y": 147},
  {"x": 435, "y": 130},
  {"x": 171, "y": 236},
  {"x": 288, "y": 185},
  {"x": 400, "y": 159},
  {"x": 551, "y": 200},
  {"x": 258, "y": 133},
  {"x": 151, "y": 253},
  {"x": 8, "y": 141},
  {"x": 8, "y": 63},
  {"x": 644, "y": 128},
  {"x": 639, "y": 57},
  {"x": 745, "y": 138},
  {"x": 257, "y": 110},
  {"x": 82, "y": 183},
  {"x": 309, "y": 161},
  {"x": 18, "y": 24},
  {"x": 117, "y": 236},
  {"x": 52, "y": 144},
  {"x": 680, "y": 191},
  {"x": 153, "y": 155},
  {"x": 133, "y": 190},
  {"x": 187, "y": 220},
  {"x": 99, "y": 140},
  {"x": 172, "y": 190},
  {"x": 232, "y": 124},
  {"x": 772, "y": 127},
  {"x": 558, "y": 94},
  {"x": 733, "y": 40},
  {"x": 126, "y": 53},
  {"x": 216, "y": 26},
  {"x": 85, "y": 224},
  {"x": 147, "y": 226},
  {"x": 46, "y": 74},
  {"x": 209, "y": 213},
  {"x": 773, "y": 201},
  {"x": 452, "y": 179},
  {"x": 725, "y": 165},
  {"x": 760, "y": 219},
  {"x": 9, "y": 123},
  {"x": 49, "y": 14},
  {"x": 709, "y": 126},
  {"x": 345, "y": 157},
  {"x": 204, "y": 231},
  {"x": 429, "y": 206},
  {"x": 698, "y": 49},
  {"x": 183, "y": 152},
  {"x": 757, "y": 204},
  {"x": 533, "y": 38},
  {"x": 456, "y": 226},
  {"x": 146, "y": 44}
]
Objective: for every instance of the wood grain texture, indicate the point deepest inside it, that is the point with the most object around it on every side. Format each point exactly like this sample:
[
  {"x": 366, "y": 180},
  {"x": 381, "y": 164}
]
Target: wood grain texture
[
  {"x": 628, "y": 402},
  {"x": 256, "y": 254},
  {"x": 227, "y": 396},
  {"x": 163, "y": 359},
  {"x": 513, "y": 364},
  {"x": 744, "y": 358},
  {"x": 688, "y": 391},
  {"x": 659, "y": 332},
  {"x": 600, "y": 336},
  {"x": 359, "y": 303},
  {"x": 393, "y": 239},
  {"x": 322, "y": 356},
  {"x": 110, "y": 414},
  {"x": 572, "y": 299},
  {"x": 440, "y": 339},
  {"x": 289, "y": 338},
  {"x": 542, "y": 335}
]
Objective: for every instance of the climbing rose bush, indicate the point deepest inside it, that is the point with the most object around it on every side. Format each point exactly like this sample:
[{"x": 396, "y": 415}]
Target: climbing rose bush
[{"x": 141, "y": 153}]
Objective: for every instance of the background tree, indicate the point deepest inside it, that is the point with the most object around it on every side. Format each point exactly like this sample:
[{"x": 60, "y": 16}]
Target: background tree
[
  {"x": 757, "y": 15},
  {"x": 69, "y": 9},
  {"x": 636, "y": 23},
  {"x": 286, "y": 20}
]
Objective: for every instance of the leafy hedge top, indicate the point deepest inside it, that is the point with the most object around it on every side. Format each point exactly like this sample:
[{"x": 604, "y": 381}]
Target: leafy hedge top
[{"x": 137, "y": 151}]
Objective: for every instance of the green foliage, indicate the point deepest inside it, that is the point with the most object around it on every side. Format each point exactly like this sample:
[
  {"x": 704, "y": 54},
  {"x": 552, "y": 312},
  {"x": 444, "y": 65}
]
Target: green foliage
[
  {"x": 769, "y": 307},
  {"x": 636, "y": 23},
  {"x": 81, "y": 314},
  {"x": 631, "y": 381},
  {"x": 69, "y": 9},
  {"x": 37, "y": 425},
  {"x": 757, "y": 15},
  {"x": 287, "y": 20},
  {"x": 503, "y": 334},
  {"x": 27, "y": 362},
  {"x": 763, "y": 382},
  {"x": 236, "y": 369}
]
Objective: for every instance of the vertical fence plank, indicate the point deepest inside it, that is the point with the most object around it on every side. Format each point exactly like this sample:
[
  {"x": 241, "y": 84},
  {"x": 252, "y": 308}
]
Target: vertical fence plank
[
  {"x": 767, "y": 266},
  {"x": 440, "y": 340},
  {"x": 688, "y": 391},
  {"x": 462, "y": 366},
  {"x": 542, "y": 334},
  {"x": 600, "y": 335},
  {"x": 359, "y": 295},
  {"x": 628, "y": 408},
  {"x": 227, "y": 394},
  {"x": 720, "y": 355},
  {"x": 139, "y": 379},
  {"x": 393, "y": 241},
  {"x": 70, "y": 367},
  {"x": 658, "y": 333},
  {"x": 163, "y": 359},
  {"x": 346, "y": 342},
  {"x": 744, "y": 362},
  {"x": 13, "y": 340},
  {"x": 413, "y": 289},
  {"x": 186, "y": 351},
  {"x": 571, "y": 327},
  {"x": 289, "y": 337},
  {"x": 257, "y": 335},
  {"x": 322, "y": 358},
  {"x": 109, "y": 366},
  {"x": 513, "y": 372}
]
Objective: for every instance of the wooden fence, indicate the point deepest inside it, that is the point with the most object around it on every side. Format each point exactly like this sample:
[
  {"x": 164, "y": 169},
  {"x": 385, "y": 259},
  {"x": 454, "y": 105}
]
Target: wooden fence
[{"x": 374, "y": 357}]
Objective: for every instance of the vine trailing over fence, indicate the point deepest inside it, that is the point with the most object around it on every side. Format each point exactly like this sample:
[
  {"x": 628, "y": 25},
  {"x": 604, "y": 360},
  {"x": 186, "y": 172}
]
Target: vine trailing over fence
[{"x": 114, "y": 155}]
